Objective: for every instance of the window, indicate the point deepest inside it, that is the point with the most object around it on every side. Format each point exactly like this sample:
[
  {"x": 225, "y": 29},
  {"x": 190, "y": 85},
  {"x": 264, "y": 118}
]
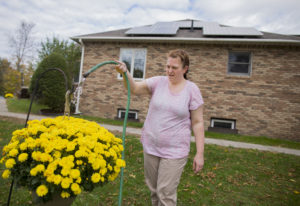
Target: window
[
  {"x": 132, "y": 114},
  {"x": 222, "y": 123},
  {"x": 135, "y": 60},
  {"x": 239, "y": 63}
]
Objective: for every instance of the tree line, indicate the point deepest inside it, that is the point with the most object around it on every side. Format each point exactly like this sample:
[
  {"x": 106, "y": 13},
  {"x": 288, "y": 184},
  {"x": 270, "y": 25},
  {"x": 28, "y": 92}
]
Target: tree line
[{"x": 52, "y": 52}]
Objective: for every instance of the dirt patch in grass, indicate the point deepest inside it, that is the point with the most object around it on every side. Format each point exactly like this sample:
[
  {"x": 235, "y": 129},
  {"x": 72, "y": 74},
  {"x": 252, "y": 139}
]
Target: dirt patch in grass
[{"x": 12, "y": 119}]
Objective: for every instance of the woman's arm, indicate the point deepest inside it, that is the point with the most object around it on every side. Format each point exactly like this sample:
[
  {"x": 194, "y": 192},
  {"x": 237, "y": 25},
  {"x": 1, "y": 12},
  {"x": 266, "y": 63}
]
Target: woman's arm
[
  {"x": 198, "y": 129},
  {"x": 137, "y": 88}
]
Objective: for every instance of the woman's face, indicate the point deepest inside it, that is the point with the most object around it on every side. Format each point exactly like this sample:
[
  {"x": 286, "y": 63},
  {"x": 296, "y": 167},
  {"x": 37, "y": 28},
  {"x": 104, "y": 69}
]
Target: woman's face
[{"x": 175, "y": 70}]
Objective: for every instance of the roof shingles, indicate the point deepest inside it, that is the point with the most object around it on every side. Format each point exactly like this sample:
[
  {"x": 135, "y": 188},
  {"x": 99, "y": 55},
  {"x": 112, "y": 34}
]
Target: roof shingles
[{"x": 197, "y": 31}]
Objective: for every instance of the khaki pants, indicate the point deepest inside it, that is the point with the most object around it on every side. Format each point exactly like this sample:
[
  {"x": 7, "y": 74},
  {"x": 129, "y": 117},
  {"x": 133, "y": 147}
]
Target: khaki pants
[{"x": 162, "y": 177}]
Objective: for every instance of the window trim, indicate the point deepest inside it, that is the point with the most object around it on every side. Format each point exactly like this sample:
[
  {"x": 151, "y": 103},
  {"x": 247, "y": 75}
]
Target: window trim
[
  {"x": 249, "y": 64},
  {"x": 132, "y": 63},
  {"x": 232, "y": 121}
]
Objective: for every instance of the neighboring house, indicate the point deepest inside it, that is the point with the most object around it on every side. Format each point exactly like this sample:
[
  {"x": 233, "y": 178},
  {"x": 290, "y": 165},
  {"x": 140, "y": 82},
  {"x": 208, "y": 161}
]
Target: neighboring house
[{"x": 250, "y": 80}]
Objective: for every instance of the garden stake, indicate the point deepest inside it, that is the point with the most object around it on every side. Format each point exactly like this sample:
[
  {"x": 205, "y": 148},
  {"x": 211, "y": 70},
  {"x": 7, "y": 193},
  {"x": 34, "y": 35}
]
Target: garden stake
[
  {"x": 29, "y": 110},
  {"x": 85, "y": 75}
]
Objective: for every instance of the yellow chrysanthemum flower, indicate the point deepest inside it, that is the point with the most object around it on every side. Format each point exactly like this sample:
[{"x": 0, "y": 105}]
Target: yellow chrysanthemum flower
[
  {"x": 9, "y": 95},
  {"x": 23, "y": 157},
  {"x": 37, "y": 169},
  {"x": 33, "y": 172},
  {"x": 10, "y": 163},
  {"x": 96, "y": 165},
  {"x": 75, "y": 173},
  {"x": 57, "y": 154},
  {"x": 36, "y": 155},
  {"x": 103, "y": 171},
  {"x": 50, "y": 178},
  {"x": 23, "y": 146},
  {"x": 78, "y": 180},
  {"x": 46, "y": 157},
  {"x": 6, "y": 174},
  {"x": 120, "y": 163},
  {"x": 113, "y": 176},
  {"x": 13, "y": 152},
  {"x": 79, "y": 162},
  {"x": 40, "y": 168},
  {"x": 109, "y": 167},
  {"x": 42, "y": 190},
  {"x": 70, "y": 146},
  {"x": 65, "y": 171},
  {"x": 57, "y": 179},
  {"x": 95, "y": 177},
  {"x": 65, "y": 183},
  {"x": 117, "y": 169},
  {"x": 75, "y": 188},
  {"x": 65, "y": 195}
]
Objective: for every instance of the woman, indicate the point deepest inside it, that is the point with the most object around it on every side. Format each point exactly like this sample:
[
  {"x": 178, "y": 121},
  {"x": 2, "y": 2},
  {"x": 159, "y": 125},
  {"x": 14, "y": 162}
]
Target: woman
[{"x": 175, "y": 108}]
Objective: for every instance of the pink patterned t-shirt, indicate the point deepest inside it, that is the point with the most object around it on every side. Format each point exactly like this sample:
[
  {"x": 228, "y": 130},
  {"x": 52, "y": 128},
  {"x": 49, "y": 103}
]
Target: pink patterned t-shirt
[{"x": 167, "y": 129}]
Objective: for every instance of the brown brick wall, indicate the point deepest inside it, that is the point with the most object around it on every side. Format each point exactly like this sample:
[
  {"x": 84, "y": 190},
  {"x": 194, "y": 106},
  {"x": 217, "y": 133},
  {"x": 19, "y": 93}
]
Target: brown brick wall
[{"x": 265, "y": 104}]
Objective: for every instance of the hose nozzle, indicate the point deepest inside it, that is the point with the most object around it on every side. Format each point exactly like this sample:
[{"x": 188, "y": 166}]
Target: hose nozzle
[{"x": 85, "y": 75}]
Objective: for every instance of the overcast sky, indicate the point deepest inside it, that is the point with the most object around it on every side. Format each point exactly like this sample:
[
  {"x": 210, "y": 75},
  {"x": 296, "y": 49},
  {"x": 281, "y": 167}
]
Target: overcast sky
[{"x": 66, "y": 18}]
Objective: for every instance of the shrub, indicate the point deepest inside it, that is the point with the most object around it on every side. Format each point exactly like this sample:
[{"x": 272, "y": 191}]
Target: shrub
[{"x": 51, "y": 88}]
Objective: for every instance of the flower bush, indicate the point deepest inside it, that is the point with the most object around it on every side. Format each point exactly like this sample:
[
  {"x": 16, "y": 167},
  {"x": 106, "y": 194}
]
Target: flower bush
[
  {"x": 9, "y": 95},
  {"x": 64, "y": 155}
]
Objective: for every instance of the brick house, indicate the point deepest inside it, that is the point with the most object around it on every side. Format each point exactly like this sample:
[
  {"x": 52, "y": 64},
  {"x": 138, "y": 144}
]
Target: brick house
[{"x": 250, "y": 80}]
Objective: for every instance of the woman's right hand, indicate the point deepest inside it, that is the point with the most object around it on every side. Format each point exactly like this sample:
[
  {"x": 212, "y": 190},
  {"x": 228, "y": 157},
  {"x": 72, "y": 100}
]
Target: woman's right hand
[{"x": 121, "y": 67}]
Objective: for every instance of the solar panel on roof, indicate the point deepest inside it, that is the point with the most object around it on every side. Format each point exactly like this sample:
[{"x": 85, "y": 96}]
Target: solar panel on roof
[
  {"x": 164, "y": 28},
  {"x": 184, "y": 24},
  {"x": 161, "y": 28},
  {"x": 196, "y": 24},
  {"x": 209, "y": 29},
  {"x": 230, "y": 31},
  {"x": 139, "y": 30}
]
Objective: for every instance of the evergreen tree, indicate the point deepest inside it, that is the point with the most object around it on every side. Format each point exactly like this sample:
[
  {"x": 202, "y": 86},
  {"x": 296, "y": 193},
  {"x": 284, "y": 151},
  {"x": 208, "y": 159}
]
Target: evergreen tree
[{"x": 51, "y": 87}]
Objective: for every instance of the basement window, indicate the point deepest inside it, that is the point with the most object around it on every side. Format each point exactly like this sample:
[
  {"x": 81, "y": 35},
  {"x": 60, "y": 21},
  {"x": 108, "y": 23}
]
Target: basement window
[
  {"x": 239, "y": 63},
  {"x": 223, "y": 126},
  {"x": 222, "y": 123},
  {"x": 132, "y": 114}
]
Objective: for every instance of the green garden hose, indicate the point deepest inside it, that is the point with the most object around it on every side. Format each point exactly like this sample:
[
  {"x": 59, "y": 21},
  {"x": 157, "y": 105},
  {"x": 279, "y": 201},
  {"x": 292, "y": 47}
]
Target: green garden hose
[{"x": 85, "y": 75}]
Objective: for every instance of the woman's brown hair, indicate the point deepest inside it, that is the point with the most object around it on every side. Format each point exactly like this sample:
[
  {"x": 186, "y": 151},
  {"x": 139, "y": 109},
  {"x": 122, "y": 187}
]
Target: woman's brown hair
[{"x": 183, "y": 56}]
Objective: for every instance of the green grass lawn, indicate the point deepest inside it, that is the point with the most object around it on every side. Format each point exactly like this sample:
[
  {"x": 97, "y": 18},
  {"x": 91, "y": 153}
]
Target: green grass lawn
[
  {"x": 230, "y": 177},
  {"x": 111, "y": 121},
  {"x": 22, "y": 106},
  {"x": 255, "y": 140}
]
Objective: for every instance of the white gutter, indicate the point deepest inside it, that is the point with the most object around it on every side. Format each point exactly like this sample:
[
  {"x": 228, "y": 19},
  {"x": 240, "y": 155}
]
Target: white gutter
[
  {"x": 192, "y": 40},
  {"x": 80, "y": 76}
]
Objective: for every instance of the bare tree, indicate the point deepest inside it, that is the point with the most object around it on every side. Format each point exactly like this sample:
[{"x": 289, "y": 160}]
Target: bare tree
[{"x": 22, "y": 44}]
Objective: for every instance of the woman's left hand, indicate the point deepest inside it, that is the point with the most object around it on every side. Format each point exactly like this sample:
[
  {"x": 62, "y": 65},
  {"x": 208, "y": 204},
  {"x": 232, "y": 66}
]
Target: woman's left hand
[
  {"x": 121, "y": 67},
  {"x": 198, "y": 163}
]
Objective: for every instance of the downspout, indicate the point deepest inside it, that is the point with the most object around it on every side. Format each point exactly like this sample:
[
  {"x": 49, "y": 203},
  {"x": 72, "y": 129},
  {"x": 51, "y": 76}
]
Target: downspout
[{"x": 80, "y": 76}]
